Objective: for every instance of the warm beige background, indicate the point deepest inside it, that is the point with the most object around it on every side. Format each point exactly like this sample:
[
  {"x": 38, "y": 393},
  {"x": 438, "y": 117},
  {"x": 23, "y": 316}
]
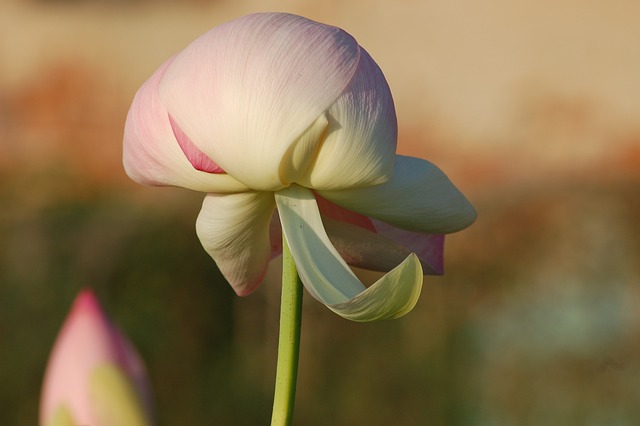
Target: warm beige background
[{"x": 553, "y": 81}]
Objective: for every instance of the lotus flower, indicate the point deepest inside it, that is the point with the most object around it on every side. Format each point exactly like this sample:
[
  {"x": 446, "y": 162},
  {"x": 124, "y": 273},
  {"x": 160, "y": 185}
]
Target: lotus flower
[
  {"x": 275, "y": 111},
  {"x": 94, "y": 375}
]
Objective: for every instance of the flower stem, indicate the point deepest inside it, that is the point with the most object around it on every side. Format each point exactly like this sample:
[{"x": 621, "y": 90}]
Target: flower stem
[{"x": 288, "y": 341}]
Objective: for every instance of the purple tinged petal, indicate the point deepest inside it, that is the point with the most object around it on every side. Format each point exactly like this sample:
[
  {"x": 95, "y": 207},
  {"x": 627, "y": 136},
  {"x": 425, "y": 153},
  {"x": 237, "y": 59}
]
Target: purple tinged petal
[
  {"x": 378, "y": 246},
  {"x": 428, "y": 247}
]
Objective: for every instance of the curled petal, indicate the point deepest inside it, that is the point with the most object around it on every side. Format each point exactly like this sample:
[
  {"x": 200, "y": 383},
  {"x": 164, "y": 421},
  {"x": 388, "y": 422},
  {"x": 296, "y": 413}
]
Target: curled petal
[
  {"x": 152, "y": 153},
  {"x": 326, "y": 275},
  {"x": 360, "y": 143},
  {"x": 234, "y": 230},
  {"x": 418, "y": 197},
  {"x": 369, "y": 243},
  {"x": 245, "y": 91},
  {"x": 392, "y": 296}
]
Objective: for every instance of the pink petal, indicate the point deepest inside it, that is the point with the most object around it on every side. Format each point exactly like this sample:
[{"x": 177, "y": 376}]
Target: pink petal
[
  {"x": 155, "y": 153},
  {"x": 197, "y": 158}
]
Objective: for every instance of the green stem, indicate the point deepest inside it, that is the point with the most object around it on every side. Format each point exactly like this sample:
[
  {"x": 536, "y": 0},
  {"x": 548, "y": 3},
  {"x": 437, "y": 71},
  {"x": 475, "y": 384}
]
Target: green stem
[{"x": 288, "y": 342}]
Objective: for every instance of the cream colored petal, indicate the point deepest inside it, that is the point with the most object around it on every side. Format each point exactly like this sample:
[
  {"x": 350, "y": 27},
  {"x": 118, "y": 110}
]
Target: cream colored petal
[
  {"x": 234, "y": 230},
  {"x": 419, "y": 197},
  {"x": 326, "y": 275},
  {"x": 360, "y": 143},
  {"x": 151, "y": 153},
  {"x": 245, "y": 91}
]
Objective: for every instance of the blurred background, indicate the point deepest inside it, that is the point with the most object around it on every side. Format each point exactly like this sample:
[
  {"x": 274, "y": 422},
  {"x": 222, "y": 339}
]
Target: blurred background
[{"x": 531, "y": 108}]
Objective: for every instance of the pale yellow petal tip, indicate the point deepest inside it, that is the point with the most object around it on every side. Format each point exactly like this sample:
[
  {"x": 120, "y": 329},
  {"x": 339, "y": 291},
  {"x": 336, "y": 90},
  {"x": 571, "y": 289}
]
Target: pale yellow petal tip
[
  {"x": 60, "y": 417},
  {"x": 115, "y": 399},
  {"x": 392, "y": 296}
]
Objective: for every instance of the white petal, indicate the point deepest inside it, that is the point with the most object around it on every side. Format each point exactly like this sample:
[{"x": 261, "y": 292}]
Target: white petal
[
  {"x": 234, "y": 230},
  {"x": 245, "y": 91},
  {"x": 326, "y": 275},
  {"x": 360, "y": 144},
  {"x": 151, "y": 153},
  {"x": 418, "y": 197}
]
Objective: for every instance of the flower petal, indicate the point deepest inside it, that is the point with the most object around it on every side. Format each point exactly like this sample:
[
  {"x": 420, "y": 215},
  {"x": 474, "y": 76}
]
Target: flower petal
[
  {"x": 246, "y": 90},
  {"x": 152, "y": 154},
  {"x": 369, "y": 243},
  {"x": 360, "y": 144},
  {"x": 419, "y": 197},
  {"x": 326, "y": 275},
  {"x": 234, "y": 230}
]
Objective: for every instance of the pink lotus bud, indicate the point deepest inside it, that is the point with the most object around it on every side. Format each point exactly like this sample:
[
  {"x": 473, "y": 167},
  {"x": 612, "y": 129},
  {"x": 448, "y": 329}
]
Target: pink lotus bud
[{"x": 94, "y": 375}]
